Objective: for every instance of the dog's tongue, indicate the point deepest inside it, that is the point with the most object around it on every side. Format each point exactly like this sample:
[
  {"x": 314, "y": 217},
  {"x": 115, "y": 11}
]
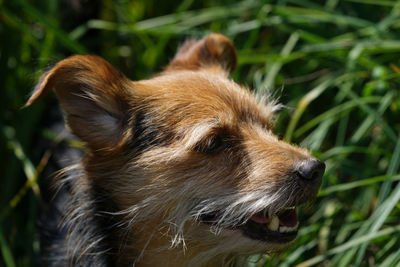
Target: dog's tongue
[
  {"x": 260, "y": 218},
  {"x": 288, "y": 218}
]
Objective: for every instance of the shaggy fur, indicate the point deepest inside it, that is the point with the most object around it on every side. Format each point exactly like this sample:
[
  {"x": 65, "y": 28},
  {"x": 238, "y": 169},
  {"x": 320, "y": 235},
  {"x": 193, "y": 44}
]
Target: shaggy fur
[{"x": 176, "y": 166}]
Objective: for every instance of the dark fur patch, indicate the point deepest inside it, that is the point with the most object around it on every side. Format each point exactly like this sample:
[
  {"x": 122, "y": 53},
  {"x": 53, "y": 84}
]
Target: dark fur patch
[
  {"x": 147, "y": 133},
  {"x": 218, "y": 141},
  {"x": 67, "y": 239}
]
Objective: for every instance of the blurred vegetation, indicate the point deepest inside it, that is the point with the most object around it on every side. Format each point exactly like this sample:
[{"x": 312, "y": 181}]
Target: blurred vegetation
[{"x": 335, "y": 65}]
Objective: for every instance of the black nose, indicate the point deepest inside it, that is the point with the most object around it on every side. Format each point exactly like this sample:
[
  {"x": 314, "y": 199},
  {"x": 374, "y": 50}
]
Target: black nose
[{"x": 311, "y": 170}]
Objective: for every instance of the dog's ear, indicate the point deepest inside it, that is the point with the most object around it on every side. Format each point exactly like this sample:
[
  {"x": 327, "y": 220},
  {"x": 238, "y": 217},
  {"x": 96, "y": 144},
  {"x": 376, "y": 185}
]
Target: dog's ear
[
  {"x": 93, "y": 95},
  {"x": 214, "y": 49}
]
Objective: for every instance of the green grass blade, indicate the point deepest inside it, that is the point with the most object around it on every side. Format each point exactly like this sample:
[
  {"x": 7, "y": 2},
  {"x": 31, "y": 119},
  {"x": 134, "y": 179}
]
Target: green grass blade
[
  {"x": 335, "y": 112},
  {"x": 356, "y": 184},
  {"x": 61, "y": 35},
  {"x": 299, "y": 15},
  {"x": 345, "y": 150},
  {"x": 297, "y": 253},
  {"x": 392, "y": 169},
  {"x": 6, "y": 251},
  {"x": 377, "y": 219},
  {"x": 315, "y": 139},
  {"x": 375, "y": 2},
  {"x": 389, "y": 131},
  {"x": 28, "y": 167},
  {"x": 385, "y": 189},
  {"x": 393, "y": 260},
  {"x": 350, "y": 244},
  {"x": 268, "y": 83},
  {"x": 303, "y": 104},
  {"x": 368, "y": 122}
]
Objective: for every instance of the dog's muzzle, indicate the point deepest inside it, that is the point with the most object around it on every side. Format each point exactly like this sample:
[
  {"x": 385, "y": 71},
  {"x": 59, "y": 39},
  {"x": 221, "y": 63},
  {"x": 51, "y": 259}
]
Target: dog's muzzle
[{"x": 281, "y": 227}]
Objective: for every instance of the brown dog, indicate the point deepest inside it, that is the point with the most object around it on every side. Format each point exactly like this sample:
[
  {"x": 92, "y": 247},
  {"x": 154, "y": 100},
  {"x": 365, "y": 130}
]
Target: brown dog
[{"x": 181, "y": 170}]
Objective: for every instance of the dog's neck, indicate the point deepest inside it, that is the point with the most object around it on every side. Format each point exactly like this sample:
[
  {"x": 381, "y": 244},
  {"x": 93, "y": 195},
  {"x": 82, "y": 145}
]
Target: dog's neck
[
  {"x": 151, "y": 246},
  {"x": 159, "y": 253}
]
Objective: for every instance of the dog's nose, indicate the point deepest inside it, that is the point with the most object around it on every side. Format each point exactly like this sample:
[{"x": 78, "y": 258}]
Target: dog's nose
[{"x": 311, "y": 170}]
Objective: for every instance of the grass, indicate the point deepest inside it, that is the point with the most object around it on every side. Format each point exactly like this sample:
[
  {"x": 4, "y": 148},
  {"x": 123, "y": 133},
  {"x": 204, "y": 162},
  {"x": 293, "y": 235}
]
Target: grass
[{"x": 334, "y": 64}]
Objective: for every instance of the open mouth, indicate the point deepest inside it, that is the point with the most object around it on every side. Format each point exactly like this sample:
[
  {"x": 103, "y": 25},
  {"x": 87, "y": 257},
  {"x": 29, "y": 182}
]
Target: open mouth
[{"x": 276, "y": 228}]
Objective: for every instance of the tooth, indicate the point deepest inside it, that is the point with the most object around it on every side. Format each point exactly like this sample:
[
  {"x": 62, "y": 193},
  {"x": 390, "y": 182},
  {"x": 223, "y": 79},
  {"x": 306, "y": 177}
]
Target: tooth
[
  {"x": 286, "y": 229},
  {"x": 274, "y": 223}
]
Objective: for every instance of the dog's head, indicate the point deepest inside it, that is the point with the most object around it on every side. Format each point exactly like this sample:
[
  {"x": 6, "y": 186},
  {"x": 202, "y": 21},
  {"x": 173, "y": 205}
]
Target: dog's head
[{"x": 188, "y": 153}]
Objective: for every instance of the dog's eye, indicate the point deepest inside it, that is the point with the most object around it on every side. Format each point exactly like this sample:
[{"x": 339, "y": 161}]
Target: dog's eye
[{"x": 213, "y": 144}]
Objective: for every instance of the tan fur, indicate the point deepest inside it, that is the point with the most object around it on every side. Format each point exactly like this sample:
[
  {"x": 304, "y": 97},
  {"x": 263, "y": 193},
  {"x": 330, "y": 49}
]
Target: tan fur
[{"x": 161, "y": 190}]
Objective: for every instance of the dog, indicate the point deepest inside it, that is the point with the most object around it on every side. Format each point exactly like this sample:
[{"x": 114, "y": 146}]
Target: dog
[{"x": 182, "y": 169}]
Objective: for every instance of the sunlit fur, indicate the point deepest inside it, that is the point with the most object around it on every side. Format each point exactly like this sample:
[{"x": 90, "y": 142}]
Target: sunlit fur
[{"x": 149, "y": 174}]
